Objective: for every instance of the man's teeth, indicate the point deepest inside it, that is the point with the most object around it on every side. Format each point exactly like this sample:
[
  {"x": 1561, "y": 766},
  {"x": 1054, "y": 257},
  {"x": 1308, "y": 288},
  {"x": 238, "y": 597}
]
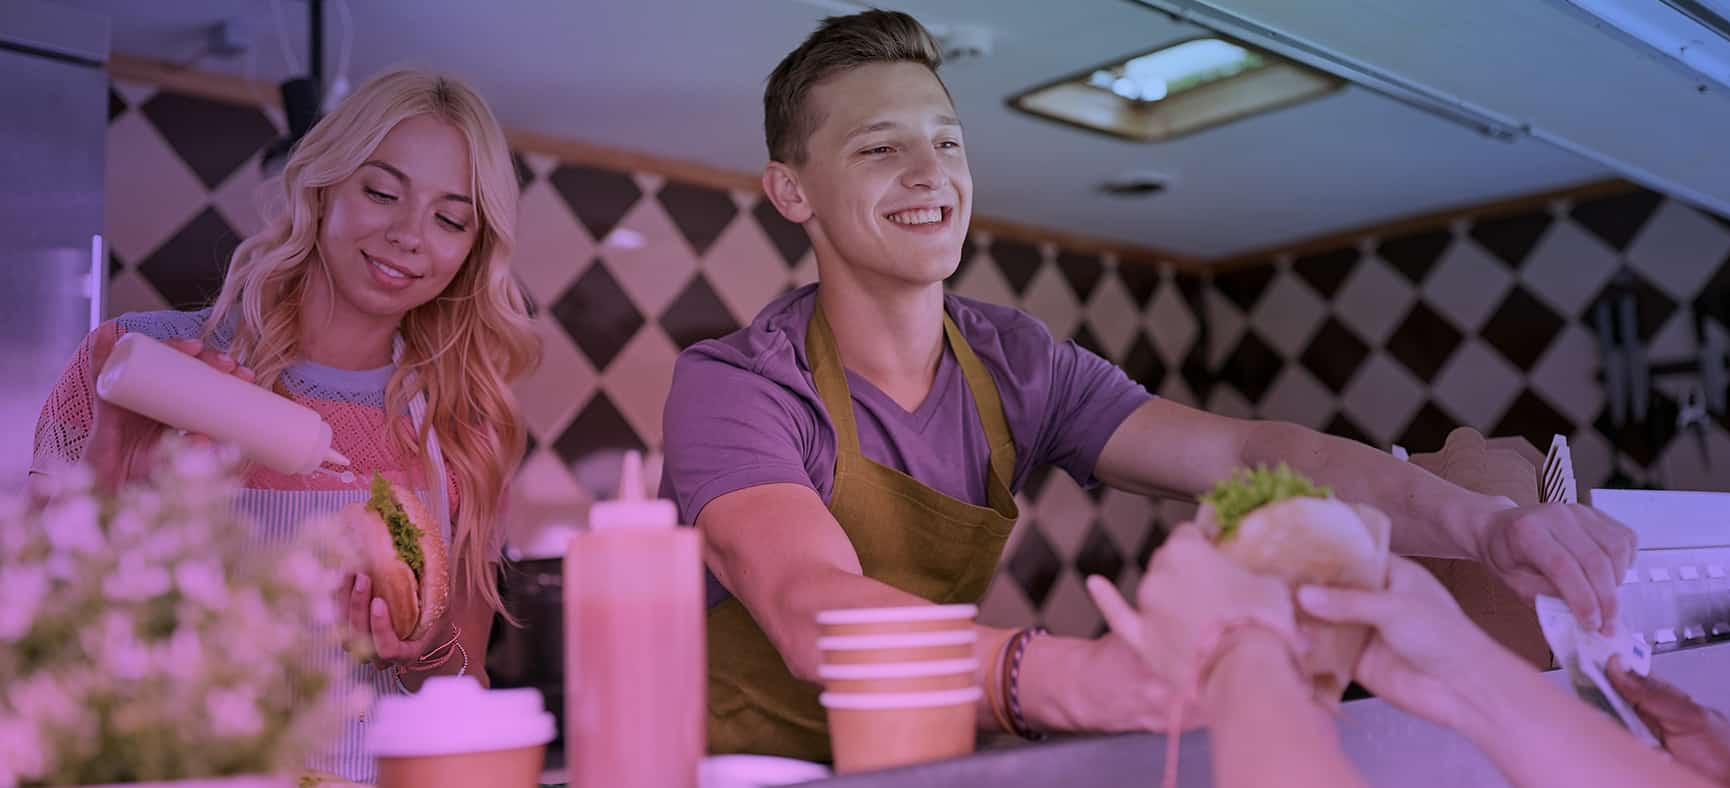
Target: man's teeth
[{"x": 917, "y": 216}]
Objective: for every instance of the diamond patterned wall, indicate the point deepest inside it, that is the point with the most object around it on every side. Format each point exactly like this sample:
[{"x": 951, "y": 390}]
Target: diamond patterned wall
[{"x": 1480, "y": 322}]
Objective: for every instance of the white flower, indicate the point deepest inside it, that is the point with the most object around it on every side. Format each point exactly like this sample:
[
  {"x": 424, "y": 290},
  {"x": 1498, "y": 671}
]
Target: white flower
[
  {"x": 202, "y": 581},
  {"x": 23, "y": 753},
  {"x": 72, "y": 526},
  {"x": 183, "y": 656},
  {"x": 25, "y": 588},
  {"x": 134, "y": 581},
  {"x": 61, "y": 566},
  {"x": 234, "y": 712},
  {"x": 43, "y": 701}
]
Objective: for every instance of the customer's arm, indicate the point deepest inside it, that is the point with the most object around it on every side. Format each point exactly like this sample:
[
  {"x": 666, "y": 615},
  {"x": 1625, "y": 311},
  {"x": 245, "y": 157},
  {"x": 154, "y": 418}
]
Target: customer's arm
[
  {"x": 1265, "y": 725},
  {"x": 1427, "y": 658}
]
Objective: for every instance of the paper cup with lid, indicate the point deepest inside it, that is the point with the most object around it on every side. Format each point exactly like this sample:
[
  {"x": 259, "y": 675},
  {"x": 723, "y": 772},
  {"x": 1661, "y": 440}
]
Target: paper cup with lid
[{"x": 455, "y": 733}]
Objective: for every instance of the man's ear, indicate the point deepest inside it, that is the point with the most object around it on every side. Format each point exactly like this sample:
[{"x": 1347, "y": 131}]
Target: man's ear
[{"x": 781, "y": 184}]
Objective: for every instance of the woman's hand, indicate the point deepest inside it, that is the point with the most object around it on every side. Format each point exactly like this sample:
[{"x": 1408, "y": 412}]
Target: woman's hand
[
  {"x": 1423, "y": 650},
  {"x": 121, "y": 442},
  {"x": 367, "y": 631},
  {"x": 1189, "y": 597}
]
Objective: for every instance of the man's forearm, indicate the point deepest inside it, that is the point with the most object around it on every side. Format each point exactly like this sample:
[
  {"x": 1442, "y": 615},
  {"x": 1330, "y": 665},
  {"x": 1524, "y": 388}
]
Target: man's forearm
[{"x": 1431, "y": 517}]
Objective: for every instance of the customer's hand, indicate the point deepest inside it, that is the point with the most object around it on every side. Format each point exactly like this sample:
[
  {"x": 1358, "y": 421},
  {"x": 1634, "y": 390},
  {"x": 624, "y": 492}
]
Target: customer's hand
[
  {"x": 1698, "y": 737},
  {"x": 1189, "y": 597},
  {"x": 1423, "y": 649}
]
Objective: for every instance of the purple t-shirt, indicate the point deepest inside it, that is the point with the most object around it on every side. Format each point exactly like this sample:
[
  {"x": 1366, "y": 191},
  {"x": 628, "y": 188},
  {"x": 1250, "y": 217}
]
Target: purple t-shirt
[{"x": 744, "y": 411}]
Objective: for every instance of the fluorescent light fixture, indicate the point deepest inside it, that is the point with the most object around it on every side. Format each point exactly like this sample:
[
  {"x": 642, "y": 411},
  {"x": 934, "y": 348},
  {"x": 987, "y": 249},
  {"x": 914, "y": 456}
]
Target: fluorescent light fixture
[{"x": 1175, "y": 90}]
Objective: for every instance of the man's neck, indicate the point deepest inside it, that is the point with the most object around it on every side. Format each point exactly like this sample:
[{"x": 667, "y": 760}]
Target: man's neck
[
  {"x": 336, "y": 334},
  {"x": 889, "y": 333}
]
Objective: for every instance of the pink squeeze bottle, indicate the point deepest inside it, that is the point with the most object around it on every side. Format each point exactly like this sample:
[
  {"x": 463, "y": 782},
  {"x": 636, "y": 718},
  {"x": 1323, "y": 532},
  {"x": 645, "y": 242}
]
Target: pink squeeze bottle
[{"x": 635, "y": 664}]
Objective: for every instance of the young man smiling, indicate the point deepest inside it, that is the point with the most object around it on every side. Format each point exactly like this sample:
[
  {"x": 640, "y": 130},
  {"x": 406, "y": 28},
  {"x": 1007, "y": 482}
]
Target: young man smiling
[{"x": 858, "y": 444}]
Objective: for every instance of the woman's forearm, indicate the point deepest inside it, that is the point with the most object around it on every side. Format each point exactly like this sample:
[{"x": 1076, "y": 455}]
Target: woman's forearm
[{"x": 1266, "y": 728}]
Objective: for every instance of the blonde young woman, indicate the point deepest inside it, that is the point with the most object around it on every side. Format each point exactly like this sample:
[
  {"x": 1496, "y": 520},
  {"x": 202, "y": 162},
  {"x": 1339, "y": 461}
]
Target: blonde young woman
[{"x": 379, "y": 294}]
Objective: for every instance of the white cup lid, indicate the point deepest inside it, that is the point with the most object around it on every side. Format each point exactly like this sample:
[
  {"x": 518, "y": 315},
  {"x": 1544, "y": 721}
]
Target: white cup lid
[
  {"x": 898, "y": 640},
  {"x": 881, "y": 615},
  {"x": 899, "y": 700},
  {"x": 897, "y": 670},
  {"x": 756, "y": 771},
  {"x": 453, "y": 714}
]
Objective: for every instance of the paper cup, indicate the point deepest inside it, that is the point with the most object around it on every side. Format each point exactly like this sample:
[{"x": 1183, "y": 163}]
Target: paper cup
[
  {"x": 928, "y": 676},
  {"x": 903, "y": 647},
  {"x": 890, "y": 620},
  {"x": 454, "y": 733},
  {"x": 882, "y": 730}
]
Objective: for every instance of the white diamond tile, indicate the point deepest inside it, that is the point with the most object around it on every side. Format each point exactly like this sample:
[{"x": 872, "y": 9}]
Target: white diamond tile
[
  {"x": 745, "y": 200},
  {"x": 1476, "y": 385},
  {"x": 1052, "y": 300},
  {"x": 1127, "y": 517},
  {"x": 549, "y": 396},
  {"x": 1569, "y": 267},
  {"x": 1674, "y": 340},
  {"x": 540, "y": 163},
  {"x": 1112, "y": 317},
  {"x": 1226, "y": 401},
  {"x": 1382, "y": 397},
  {"x": 1679, "y": 248},
  {"x": 128, "y": 291},
  {"x": 982, "y": 281},
  {"x": 1467, "y": 284},
  {"x": 654, "y": 273},
  {"x": 1685, "y": 468},
  {"x": 236, "y": 199},
  {"x": 1296, "y": 396},
  {"x": 1288, "y": 314},
  {"x": 649, "y": 182},
  {"x": 1373, "y": 300},
  {"x": 1069, "y": 611},
  {"x": 1592, "y": 458},
  {"x": 150, "y": 192},
  {"x": 639, "y": 378},
  {"x": 1225, "y": 325},
  {"x": 543, "y": 492},
  {"x": 1005, "y": 606},
  {"x": 744, "y": 269},
  {"x": 1175, "y": 389},
  {"x": 1171, "y": 326},
  {"x": 553, "y": 249},
  {"x": 135, "y": 93},
  {"x": 1566, "y": 374},
  {"x": 1064, "y": 512}
]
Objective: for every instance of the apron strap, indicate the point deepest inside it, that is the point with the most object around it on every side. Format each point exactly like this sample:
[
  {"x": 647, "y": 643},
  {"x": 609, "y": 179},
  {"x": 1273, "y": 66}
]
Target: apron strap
[
  {"x": 986, "y": 400},
  {"x": 831, "y": 380}
]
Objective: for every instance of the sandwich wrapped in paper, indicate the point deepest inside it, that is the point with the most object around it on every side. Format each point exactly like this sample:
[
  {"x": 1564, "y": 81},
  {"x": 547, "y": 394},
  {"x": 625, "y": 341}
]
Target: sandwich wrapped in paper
[{"x": 1277, "y": 523}]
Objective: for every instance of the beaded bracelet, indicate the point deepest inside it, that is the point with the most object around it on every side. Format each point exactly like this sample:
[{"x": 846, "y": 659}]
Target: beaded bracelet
[
  {"x": 1016, "y": 651},
  {"x": 994, "y": 689}
]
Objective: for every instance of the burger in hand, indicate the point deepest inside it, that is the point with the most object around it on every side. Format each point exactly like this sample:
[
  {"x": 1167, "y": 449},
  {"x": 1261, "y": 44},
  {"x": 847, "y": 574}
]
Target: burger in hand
[{"x": 399, "y": 546}]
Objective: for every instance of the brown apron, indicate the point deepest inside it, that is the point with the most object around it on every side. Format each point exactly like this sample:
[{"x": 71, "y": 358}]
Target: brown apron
[{"x": 906, "y": 534}]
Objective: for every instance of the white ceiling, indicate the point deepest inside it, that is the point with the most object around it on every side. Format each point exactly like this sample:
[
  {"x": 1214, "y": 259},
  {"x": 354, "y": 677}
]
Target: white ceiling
[{"x": 683, "y": 78}]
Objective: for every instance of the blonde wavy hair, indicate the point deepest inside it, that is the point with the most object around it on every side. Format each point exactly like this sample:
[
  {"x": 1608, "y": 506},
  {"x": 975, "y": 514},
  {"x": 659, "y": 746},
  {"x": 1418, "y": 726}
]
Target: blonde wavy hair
[{"x": 462, "y": 349}]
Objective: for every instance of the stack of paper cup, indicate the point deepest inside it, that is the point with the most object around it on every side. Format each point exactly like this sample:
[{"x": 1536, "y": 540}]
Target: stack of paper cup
[{"x": 899, "y": 684}]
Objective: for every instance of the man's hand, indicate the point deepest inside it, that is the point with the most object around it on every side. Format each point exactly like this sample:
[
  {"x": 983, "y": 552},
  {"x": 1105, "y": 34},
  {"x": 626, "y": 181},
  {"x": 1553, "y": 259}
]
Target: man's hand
[
  {"x": 1568, "y": 551},
  {"x": 1698, "y": 737}
]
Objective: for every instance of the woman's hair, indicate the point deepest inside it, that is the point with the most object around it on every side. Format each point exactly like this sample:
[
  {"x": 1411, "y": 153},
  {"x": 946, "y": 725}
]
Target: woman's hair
[{"x": 462, "y": 349}]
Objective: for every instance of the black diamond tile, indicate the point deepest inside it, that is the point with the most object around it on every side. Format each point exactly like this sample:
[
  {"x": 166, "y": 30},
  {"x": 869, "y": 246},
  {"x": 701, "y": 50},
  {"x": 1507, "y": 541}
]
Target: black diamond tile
[
  {"x": 1334, "y": 355},
  {"x": 1512, "y": 238},
  {"x": 1521, "y": 328},
  {"x": 967, "y": 251},
  {"x": 1723, "y": 220},
  {"x": 114, "y": 264},
  {"x": 1150, "y": 545},
  {"x": 697, "y": 314},
  {"x": 1652, "y": 307},
  {"x": 699, "y": 212},
  {"x": 1617, "y": 219},
  {"x": 1713, "y": 300},
  {"x": 1191, "y": 287},
  {"x": 1643, "y": 440},
  {"x": 599, "y": 427},
  {"x": 525, "y": 176},
  {"x": 1034, "y": 565},
  {"x": 1428, "y": 429},
  {"x": 1081, "y": 271},
  {"x": 598, "y": 315},
  {"x": 599, "y": 198},
  {"x": 1034, "y": 484},
  {"x": 1143, "y": 365},
  {"x": 1251, "y": 367},
  {"x": 1424, "y": 342},
  {"x": 789, "y": 238},
  {"x": 1018, "y": 261},
  {"x": 213, "y": 137},
  {"x": 1244, "y": 286},
  {"x": 1344, "y": 427},
  {"x": 1085, "y": 338},
  {"x": 1534, "y": 419},
  {"x": 187, "y": 268},
  {"x": 529, "y": 444},
  {"x": 1327, "y": 271},
  {"x": 1140, "y": 279},
  {"x": 1197, "y": 374},
  {"x": 1098, "y": 556},
  {"x": 1415, "y": 254},
  {"x": 116, "y": 104}
]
